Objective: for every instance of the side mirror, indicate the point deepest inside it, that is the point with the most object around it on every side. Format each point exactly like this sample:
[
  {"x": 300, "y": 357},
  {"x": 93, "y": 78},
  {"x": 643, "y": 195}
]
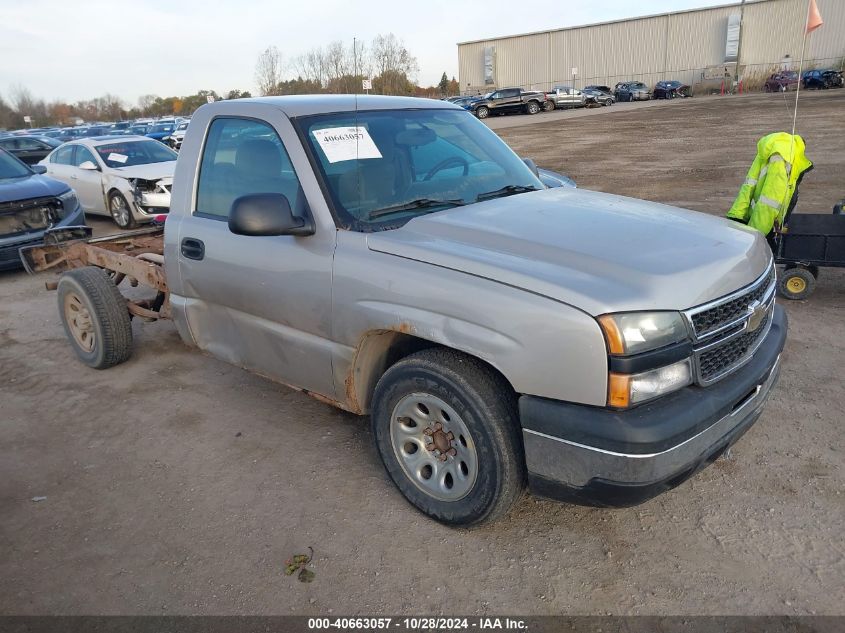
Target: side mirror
[
  {"x": 532, "y": 166},
  {"x": 266, "y": 214},
  {"x": 39, "y": 169},
  {"x": 88, "y": 165}
]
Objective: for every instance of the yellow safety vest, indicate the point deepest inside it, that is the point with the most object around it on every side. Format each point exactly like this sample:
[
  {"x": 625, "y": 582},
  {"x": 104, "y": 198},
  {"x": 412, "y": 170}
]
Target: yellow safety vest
[{"x": 769, "y": 185}]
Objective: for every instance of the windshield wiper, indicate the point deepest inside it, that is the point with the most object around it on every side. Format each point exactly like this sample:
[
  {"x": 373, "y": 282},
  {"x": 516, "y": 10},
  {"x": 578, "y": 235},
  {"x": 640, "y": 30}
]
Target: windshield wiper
[
  {"x": 420, "y": 203},
  {"x": 507, "y": 190}
]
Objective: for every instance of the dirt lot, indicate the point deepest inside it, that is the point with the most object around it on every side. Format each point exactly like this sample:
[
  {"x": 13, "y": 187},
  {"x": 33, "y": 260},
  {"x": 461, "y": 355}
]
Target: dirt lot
[{"x": 178, "y": 484}]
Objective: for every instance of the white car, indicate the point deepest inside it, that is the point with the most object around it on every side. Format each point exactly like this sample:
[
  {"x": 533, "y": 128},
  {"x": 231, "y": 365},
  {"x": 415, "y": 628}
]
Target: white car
[
  {"x": 175, "y": 139},
  {"x": 126, "y": 177}
]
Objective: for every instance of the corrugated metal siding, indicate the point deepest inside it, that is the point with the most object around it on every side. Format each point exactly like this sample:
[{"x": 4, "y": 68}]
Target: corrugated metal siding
[{"x": 676, "y": 46}]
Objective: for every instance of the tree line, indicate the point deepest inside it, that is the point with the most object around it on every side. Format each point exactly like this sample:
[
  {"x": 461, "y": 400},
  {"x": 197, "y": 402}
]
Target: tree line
[{"x": 339, "y": 67}]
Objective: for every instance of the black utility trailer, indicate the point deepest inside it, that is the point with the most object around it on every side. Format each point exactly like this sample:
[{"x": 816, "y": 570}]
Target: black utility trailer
[{"x": 810, "y": 241}]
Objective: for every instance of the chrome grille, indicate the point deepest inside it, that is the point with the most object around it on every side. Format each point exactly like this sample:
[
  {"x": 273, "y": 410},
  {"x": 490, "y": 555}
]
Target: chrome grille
[
  {"x": 712, "y": 319},
  {"x": 724, "y": 341}
]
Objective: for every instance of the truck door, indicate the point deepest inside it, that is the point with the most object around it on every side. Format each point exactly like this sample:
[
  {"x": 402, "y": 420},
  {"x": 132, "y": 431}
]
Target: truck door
[
  {"x": 263, "y": 303},
  {"x": 512, "y": 100}
]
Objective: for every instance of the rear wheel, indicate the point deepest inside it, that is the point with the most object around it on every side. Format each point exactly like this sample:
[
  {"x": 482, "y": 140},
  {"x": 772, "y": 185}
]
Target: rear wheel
[
  {"x": 532, "y": 107},
  {"x": 95, "y": 317},
  {"x": 447, "y": 429},
  {"x": 796, "y": 283}
]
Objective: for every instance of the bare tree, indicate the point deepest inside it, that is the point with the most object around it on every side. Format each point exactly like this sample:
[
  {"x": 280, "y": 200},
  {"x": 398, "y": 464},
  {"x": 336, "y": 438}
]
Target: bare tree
[
  {"x": 268, "y": 70},
  {"x": 145, "y": 102},
  {"x": 394, "y": 64},
  {"x": 311, "y": 66}
]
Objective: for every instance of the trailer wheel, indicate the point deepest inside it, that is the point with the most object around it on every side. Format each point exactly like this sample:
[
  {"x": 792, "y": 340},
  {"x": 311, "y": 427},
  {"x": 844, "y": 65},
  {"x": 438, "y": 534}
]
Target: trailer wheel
[
  {"x": 95, "y": 317},
  {"x": 447, "y": 429},
  {"x": 796, "y": 284}
]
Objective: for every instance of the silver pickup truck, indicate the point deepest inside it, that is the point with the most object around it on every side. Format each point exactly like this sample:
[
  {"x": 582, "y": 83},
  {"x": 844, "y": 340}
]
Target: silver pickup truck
[{"x": 393, "y": 257}]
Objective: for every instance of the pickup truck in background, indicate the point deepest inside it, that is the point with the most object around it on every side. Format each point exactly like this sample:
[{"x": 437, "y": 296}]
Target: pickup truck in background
[
  {"x": 509, "y": 101},
  {"x": 564, "y": 97},
  {"x": 394, "y": 258}
]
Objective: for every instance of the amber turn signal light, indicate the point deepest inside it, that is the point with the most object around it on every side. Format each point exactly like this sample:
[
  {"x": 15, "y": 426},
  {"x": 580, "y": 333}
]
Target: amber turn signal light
[
  {"x": 619, "y": 390},
  {"x": 612, "y": 334}
]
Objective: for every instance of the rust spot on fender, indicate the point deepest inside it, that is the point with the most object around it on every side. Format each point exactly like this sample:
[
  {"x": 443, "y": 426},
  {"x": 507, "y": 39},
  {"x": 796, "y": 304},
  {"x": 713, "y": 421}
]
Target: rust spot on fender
[{"x": 404, "y": 328}]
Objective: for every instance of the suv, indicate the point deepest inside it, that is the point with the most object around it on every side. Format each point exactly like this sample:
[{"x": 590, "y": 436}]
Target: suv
[
  {"x": 631, "y": 91},
  {"x": 30, "y": 204}
]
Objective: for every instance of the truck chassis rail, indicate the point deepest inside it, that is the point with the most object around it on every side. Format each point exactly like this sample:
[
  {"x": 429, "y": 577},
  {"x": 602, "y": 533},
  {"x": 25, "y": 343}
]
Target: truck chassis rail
[{"x": 136, "y": 256}]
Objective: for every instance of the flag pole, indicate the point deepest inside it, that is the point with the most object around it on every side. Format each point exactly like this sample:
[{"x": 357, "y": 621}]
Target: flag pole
[{"x": 798, "y": 87}]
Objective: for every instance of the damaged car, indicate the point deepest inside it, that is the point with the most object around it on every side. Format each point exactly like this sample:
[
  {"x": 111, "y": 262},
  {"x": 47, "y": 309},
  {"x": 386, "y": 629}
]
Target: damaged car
[
  {"x": 128, "y": 178},
  {"x": 31, "y": 203}
]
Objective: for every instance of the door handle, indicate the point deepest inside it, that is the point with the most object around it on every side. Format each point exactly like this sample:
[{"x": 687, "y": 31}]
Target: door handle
[{"x": 192, "y": 248}]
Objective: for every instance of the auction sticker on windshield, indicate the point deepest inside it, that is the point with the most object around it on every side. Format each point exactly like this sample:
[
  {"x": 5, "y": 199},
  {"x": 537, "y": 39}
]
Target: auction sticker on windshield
[
  {"x": 117, "y": 158},
  {"x": 346, "y": 143}
]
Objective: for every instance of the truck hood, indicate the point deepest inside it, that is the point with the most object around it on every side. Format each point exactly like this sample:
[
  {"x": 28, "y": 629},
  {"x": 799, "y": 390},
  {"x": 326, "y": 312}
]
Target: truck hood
[
  {"x": 597, "y": 252},
  {"x": 150, "y": 171}
]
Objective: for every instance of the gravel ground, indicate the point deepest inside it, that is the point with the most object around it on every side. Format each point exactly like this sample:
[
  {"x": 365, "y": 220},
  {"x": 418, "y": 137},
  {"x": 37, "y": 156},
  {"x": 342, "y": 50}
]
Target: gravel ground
[{"x": 176, "y": 484}]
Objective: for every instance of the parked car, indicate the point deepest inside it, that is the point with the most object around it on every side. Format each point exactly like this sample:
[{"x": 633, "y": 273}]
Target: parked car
[
  {"x": 605, "y": 89},
  {"x": 509, "y": 100},
  {"x": 160, "y": 131},
  {"x": 598, "y": 348},
  {"x": 564, "y": 97},
  {"x": 631, "y": 91},
  {"x": 593, "y": 95},
  {"x": 822, "y": 79},
  {"x": 137, "y": 130},
  {"x": 30, "y": 203},
  {"x": 781, "y": 82},
  {"x": 29, "y": 149},
  {"x": 175, "y": 139},
  {"x": 670, "y": 90},
  {"x": 127, "y": 178}
]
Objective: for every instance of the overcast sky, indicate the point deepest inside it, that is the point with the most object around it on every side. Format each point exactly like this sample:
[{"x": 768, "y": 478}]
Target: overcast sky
[{"x": 77, "y": 49}]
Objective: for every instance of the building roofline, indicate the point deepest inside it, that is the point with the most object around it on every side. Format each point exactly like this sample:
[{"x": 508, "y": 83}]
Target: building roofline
[{"x": 639, "y": 17}]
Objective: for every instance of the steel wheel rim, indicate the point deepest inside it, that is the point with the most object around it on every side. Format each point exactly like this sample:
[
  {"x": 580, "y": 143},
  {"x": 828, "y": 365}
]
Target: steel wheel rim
[
  {"x": 433, "y": 446},
  {"x": 119, "y": 210},
  {"x": 796, "y": 285},
  {"x": 79, "y": 322}
]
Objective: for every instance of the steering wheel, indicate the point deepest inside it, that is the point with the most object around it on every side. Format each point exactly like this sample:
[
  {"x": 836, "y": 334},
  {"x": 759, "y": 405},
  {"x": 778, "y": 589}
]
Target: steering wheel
[{"x": 452, "y": 161}]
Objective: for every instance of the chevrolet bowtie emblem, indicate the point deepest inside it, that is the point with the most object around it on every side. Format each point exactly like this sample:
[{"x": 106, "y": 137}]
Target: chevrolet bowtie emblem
[{"x": 756, "y": 315}]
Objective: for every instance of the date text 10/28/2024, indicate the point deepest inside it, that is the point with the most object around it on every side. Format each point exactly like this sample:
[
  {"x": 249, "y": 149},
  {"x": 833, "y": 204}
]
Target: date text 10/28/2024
[{"x": 416, "y": 624}]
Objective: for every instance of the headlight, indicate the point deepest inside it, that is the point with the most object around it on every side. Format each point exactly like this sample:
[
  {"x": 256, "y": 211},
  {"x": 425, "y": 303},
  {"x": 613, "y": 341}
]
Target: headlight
[
  {"x": 625, "y": 390},
  {"x": 69, "y": 202},
  {"x": 635, "y": 332}
]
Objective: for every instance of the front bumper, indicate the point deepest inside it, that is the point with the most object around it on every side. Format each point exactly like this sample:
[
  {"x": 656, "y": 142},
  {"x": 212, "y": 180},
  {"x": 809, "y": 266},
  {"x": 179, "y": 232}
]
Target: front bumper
[
  {"x": 10, "y": 246},
  {"x": 602, "y": 457}
]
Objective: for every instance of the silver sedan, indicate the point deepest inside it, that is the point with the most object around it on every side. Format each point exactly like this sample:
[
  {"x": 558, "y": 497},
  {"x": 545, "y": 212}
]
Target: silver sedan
[{"x": 128, "y": 178}]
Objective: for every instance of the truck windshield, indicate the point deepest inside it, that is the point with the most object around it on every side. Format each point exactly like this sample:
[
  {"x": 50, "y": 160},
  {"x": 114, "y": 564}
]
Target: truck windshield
[{"x": 384, "y": 167}]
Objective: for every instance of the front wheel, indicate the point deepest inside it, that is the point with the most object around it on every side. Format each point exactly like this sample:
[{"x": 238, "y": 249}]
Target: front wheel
[
  {"x": 482, "y": 112},
  {"x": 120, "y": 211},
  {"x": 447, "y": 430},
  {"x": 548, "y": 106}
]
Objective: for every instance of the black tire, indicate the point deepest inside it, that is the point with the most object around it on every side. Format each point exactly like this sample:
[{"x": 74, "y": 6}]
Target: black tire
[
  {"x": 532, "y": 107},
  {"x": 486, "y": 405},
  {"x": 548, "y": 106},
  {"x": 101, "y": 311},
  {"x": 126, "y": 221},
  {"x": 482, "y": 112},
  {"x": 796, "y": 283}
]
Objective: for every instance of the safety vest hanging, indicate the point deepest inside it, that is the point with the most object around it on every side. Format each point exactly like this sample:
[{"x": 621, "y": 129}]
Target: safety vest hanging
[{"x": 764, "y": 198}]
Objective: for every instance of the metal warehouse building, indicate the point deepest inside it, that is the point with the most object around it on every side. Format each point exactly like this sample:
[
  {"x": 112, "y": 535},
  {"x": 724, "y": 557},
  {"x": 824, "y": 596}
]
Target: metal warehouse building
[{"x": 748, "y": 40}]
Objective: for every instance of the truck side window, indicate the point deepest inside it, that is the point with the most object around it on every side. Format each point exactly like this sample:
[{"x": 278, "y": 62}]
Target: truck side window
[{"x": 241, "y": 157}]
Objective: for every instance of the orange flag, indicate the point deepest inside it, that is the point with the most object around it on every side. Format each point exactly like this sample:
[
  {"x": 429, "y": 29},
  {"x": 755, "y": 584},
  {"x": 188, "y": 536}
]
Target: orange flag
[{"x": 814, "y": 18}]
